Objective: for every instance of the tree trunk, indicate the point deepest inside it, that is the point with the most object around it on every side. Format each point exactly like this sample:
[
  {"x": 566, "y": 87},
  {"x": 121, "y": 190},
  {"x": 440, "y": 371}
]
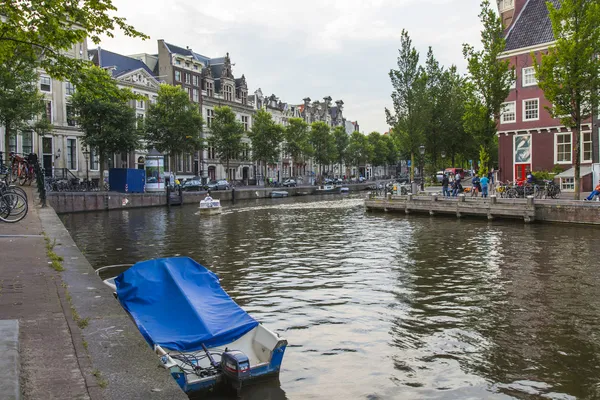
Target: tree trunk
[
  {"x": 6, "y": 146},
  {"x": 264, "y": 165},
  {"x": 227, "y": 169},
  {"x": 412, "y": 166},
  {"x": 102, "y": 159},
  {"x": 577, "y": 165}
]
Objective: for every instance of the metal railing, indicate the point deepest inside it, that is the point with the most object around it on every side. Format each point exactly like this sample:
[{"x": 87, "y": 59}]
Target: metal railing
[{"x": 39, "y": 178}]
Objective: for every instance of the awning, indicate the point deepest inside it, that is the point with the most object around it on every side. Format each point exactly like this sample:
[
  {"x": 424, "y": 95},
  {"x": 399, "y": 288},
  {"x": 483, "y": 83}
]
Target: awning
[{"x": 570, "y": 173}]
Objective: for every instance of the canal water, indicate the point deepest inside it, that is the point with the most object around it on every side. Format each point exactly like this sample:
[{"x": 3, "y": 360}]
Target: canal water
[{"x": 383, "y": 306}]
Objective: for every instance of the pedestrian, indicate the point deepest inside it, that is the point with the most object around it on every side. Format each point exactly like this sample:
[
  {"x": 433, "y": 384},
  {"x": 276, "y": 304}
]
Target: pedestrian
[
  {"x": 595, "y": 192},
  {"x": 475, "y": 186},
  {"x": 445, "y": 183},
  {"x": 457, "y": 187},
  {"x": 484, "y": 186}
]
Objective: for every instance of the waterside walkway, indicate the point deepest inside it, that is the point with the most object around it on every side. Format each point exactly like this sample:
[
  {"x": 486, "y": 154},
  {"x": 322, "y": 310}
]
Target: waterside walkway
[
  {"x": 74, "y": 340},
  {"x": 528, "y": 210}
]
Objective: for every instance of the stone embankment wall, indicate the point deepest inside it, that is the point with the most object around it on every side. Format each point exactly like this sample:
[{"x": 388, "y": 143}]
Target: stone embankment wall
[{"x": 70, "y": 202}]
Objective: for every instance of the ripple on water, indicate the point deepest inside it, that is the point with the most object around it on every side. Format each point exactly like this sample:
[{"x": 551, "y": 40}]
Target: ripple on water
[{"x": 377, "y": 306}]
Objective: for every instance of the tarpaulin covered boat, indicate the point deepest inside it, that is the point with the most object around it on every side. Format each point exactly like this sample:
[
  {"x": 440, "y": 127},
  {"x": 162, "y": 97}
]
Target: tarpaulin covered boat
[{"x": 201, "y": 335}]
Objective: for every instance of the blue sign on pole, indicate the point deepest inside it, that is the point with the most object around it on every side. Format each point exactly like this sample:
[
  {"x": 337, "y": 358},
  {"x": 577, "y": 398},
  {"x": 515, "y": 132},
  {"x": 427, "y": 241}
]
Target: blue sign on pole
[{"x": 408, "y": 163}]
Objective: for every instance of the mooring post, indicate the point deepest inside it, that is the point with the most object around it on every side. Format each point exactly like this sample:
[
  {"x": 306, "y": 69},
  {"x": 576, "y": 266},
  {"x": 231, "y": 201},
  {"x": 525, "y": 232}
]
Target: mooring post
[{"x": 461, "y": 199}]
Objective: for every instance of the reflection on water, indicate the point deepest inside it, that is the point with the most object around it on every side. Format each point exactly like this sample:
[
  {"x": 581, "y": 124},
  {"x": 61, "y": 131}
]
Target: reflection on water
[{"x": 379, "y": 306}]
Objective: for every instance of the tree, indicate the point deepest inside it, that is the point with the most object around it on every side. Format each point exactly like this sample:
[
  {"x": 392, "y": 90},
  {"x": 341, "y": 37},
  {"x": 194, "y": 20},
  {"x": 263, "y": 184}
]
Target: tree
[
  {"x": 297, "y": 143},
  {"x": 20, "y": 100},
  {"x": 104, "y": 114},
  {"x": 322, "y": 142},
  {"x": 359, "y": 150},
  {"x": 378, "y": 149},
  {"x": 569, "y": 74},
  {"x": 389, "y": 150},
  {"x": 226, "y": 135},
  {"x": 490, "y": 78},
  {"x": 410, "y": 100},
  {"x": 266, "y": 137},
  {"x": 455, "y": 140},
  {"x": 174, "y": 123},
  {"x": 484, "y": 162},
  {"x": 341, "y": 144},
  {"x": 43, "y": 30}
]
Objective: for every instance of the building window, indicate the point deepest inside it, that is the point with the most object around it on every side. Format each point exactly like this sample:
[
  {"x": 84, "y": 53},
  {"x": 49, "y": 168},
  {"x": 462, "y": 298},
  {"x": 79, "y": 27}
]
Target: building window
[
  {"x": 94, "y": 160},
  {"x": 567, "y": 184},
  {"x": 210, "y": 114},
  {"x": 27, "y": 142},
  {"x": 69, "y": 89},
  {"x": 72, "y": 154},
  {"x": 179, "y": 162},
  {"x": 586, "y": 147},
  {"x": 188, "y": 162},
  {"x": 505, "y": 5},
  {"x": 564, "y": 149},
  {"x": 244, "y": 97},
  {"x": 178, "y": 76},
  {"x": 509, "y": 113},
  {"x": 45, "y": 84},
  {"x": 166, "y": 163},
  {"x": 140, "y": 104},
  {"x": 48, "y": 110},
  {"x": 177, "y": 62},
  {"x": 211, "y": 153},
  {"x": 187, "y": 64},
  {"x": 140, "y": 121},
  {"x": 228, "y": 93},
  {"x": 187, "y": 78},
  {"x": 209, "y": 89},
  {"x": 529, "y": 77},
  {"x": 195, "y": 95},
  {"x": 195, "y": 80},
  {"x": 71, "y": 121},
  {"x": 12, "y": 144},
  {"x": 531, "y": 110},
  {"x": 245, "y": 122}
]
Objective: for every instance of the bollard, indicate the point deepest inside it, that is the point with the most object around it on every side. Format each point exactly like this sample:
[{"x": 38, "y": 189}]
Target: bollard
[
  {"x": 389, "y": 196},
  {"x": 435, "y": 197},
  {"x": 409, "y": 197},
  {"x": 169, "y": 196},
  {"x": 461, "y": 198},
  {"x": 233, "y": 195},
  {"x": 494, "y": 199},
  {"x": 529, "y": 201}
]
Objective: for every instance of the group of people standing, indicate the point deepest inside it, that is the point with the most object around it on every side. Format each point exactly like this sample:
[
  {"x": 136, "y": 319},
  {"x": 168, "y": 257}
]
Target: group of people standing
[{"x": 455, "y": 183}]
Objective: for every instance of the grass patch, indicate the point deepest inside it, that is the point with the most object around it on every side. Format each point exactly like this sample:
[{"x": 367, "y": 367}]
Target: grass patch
[
  {"x": 101, "y": 381},
  {"x": 55, "y": 259},
  {"x": 85, "y": 345}
]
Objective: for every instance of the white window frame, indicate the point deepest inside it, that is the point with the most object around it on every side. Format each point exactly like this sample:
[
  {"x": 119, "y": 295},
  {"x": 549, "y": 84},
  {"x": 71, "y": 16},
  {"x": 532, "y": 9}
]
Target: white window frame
[
  {"x": 525, "y": 75},
  {"x": 570, "y": 134},
  {"x": 504, "y": 111},
  {"x": 51, "y": 119},
  {"x": 591, "y": 142},
  {"x": 570, "y": 183},
  {"x": 245, "y": 121},
  {"x": 76, "y": 154},
  {"x": 186, "y": 77},
  {"x": 23, "y": 140},
  {"x": 505, "y": 5},
  {"x": 194, "y": 80},
  {"x": 140, "y": 104},
  {"x": 91, "y": 163},
  {"x": 177, "y": 76},
  {"x": 195, "y": 95},
  {"x": 525, "y": 119},
  {"x": 69, "y": 87},
  {"x": 50, "y": 83}
]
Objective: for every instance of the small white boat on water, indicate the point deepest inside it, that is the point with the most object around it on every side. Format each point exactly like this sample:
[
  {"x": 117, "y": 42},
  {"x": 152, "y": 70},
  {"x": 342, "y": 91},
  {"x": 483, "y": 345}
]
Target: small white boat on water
[
  {"x": 197, "y": 331},
  {"x": 279, "y": 193},
  {"x": 345, "y": 190},
  {"x": 328, "y": 189},
  {"x": 210, "y": 206}
]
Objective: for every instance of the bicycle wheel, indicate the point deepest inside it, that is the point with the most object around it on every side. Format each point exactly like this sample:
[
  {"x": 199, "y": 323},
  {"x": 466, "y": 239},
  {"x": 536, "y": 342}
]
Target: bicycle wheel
[
  {"x": 17, "y": 190},
  {"x": 512, "y": 193},
  {"x": 13, "y": 207}
]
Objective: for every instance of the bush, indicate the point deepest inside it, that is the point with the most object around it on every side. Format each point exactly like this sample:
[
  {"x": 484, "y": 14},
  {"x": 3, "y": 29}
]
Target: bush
[{"x": 544, "y": 175}]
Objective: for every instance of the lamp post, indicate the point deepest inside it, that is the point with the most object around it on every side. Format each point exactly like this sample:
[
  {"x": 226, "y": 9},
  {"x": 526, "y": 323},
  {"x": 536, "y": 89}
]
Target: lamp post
[
  {"x": 422, "y": 151},
  {"x": 86, "y": 154}
]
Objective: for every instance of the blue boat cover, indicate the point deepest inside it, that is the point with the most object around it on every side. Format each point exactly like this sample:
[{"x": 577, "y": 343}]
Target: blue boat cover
[{"x": 180, "y": 305}]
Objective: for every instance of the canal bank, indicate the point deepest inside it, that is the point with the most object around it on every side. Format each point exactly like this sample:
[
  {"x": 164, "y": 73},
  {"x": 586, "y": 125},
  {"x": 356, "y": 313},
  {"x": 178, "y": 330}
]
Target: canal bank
[
  {"x": 70, "y": 202},
  {"x": 74, "y": 340},
  {"x": 527, "y": 210}
]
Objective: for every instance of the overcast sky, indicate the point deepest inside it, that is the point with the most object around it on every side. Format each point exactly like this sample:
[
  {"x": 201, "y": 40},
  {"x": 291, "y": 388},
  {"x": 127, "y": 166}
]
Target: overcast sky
[{"x": 315, "y": 48}]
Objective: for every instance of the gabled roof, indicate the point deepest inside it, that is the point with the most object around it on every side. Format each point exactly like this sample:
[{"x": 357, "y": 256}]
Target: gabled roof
[
  {"x": 196, "y": 56},
  {"x": 123, "y": 64},
  {"x": 531, "y": 27}
]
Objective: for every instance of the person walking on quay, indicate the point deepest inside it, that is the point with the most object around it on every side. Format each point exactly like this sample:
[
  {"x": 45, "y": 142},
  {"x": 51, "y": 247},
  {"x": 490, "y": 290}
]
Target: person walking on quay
[
  {"x": 595, "y": 192},
  {"x": 475, "y": 186},
  {"x": 457, "y": 186},
  {"x": 484, "y": 186},
  {"x": 445, "y": 183}
]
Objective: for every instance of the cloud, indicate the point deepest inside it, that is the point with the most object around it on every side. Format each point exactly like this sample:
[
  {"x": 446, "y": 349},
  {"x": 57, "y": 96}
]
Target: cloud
[{"x": 316, "y": 48}]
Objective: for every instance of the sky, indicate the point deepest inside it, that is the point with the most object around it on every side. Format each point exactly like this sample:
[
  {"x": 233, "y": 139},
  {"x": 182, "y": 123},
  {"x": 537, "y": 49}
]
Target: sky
[{"x": 313, "y": 48}]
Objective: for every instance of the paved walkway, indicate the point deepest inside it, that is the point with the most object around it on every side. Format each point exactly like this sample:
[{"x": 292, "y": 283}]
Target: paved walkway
[{"x": 31, "y": 292}]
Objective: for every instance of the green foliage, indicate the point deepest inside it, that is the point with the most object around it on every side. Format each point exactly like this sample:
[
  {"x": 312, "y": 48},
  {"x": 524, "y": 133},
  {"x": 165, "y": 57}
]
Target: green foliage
[
  {"x": 322, "y": 142},
  {"x": 569, "y": 73},
  {"x": 409, "y": 98},
  {"x": 20, "y": 101},
  {"x": 266, "y": 137},
  {"x": 226, "y": 135},
  {"x": 104, "y": 114},
  {"x": 359, "y": 150},
  {"x": 297, "y": 142},
  {"x": 378, "y": 149},
  {"x": 557, "y": 169},
  {"x": 341, "y": 143},
  {"x": 174, "y": 123},
  {"x": 489, "y": 78},
  {"x": 484, "y": 161},
  {"x": 43, "y": 30},
  {"x": 543, "y": 175}
]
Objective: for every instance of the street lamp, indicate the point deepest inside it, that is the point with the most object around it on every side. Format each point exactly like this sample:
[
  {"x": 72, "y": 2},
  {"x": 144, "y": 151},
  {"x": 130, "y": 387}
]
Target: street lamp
[
  {"x": 422, "y": 151},
  {"x": 86, "y": 154}
]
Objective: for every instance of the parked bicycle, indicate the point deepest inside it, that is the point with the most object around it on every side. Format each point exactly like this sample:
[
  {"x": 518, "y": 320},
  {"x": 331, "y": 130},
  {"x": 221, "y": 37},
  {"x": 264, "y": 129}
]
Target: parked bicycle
[{"x": 13, "y": 203}]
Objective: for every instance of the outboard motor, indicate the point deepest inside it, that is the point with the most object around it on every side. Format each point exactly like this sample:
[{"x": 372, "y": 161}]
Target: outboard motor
[{"x": 235, "y": 366}]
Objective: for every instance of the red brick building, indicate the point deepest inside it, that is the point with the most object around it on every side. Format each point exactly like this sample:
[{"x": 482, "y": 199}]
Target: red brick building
[{"x": 528, "y": 137}]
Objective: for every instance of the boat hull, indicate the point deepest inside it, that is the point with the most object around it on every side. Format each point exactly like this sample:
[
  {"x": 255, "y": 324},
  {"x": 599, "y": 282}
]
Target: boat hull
[
  {"x": 279, "y": 194},
  {"x": 210, "y": 210}
]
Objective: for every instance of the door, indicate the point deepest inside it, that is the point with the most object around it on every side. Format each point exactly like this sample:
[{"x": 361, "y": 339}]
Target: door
[
  {"x": 47, "y": 155},
  {"x": 521, "y": 171}
]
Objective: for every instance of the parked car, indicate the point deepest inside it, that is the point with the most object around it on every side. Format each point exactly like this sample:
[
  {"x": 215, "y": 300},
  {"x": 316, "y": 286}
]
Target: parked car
[
  {"x": 454, "y": 171},
  {"x": 218, "y": 185},
  {"x": 338, "y": 181},
  {"x": 403, "y": 178},
  {"x": 289, "y": 183},
  {"x": 328, "y": 181},
  {"x": 192, "y": 186},
  {"x": 439, "y": 176}
]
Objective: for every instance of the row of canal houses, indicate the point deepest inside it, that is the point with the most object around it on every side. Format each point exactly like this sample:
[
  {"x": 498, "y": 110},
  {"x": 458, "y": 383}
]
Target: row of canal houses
[
  {"x": 210, "y": 82},
  {"x": 529, "y": 138}
]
